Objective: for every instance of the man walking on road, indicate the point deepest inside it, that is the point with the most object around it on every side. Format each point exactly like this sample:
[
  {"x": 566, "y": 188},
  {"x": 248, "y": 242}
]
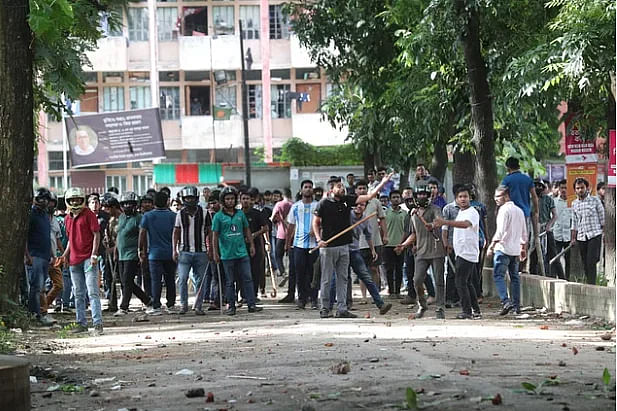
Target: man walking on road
[
  {"x": 587, "y": 227},
  {"x": 509, "y": 244}
]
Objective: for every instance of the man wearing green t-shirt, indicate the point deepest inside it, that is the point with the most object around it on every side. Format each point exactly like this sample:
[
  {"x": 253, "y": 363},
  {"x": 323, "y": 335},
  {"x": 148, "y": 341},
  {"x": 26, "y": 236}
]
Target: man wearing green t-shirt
[
  {"x": 395, "y": 223},
  {"x": 230, "y": 234}
]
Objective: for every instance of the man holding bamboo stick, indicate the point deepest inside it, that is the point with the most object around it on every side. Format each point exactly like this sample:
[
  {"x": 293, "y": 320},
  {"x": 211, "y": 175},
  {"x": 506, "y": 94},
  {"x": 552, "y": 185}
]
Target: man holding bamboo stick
[{"x": 332, "y": 216}]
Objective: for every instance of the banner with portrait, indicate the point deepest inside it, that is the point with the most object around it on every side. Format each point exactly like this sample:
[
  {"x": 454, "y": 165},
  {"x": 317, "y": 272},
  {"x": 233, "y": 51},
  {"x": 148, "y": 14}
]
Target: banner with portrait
[{"x": 118, "y": 137}]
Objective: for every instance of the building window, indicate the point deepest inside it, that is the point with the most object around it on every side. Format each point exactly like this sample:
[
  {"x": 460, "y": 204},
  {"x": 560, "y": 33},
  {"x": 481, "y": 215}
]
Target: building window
[
  {"x": 140, "y": 97},
  {"x": 280, "y": 101},
  {"x": 199, "y": 97},
  {"x": 195, "y": 22},
  {"x": 56, "y": 183},
  {"x": 170, "y": 103},
  {"x": 113, "y": 77},
  {"x": 113, "y": 98},
  {"x": 138, "y": 23},
  {"x": 223, "y": 17},
  {"x": 116, "y": 181},
  {"x": 56, "y": 161},
  {"x": 139, "y": 76},
  {"x": 167, "y": 23},
  {"x": 141, "y": 184},
  {"x": 90, "y": 76},
  {"x": 196, "y": 75},
  {"x": 254, "y": 97},
  {"x": 279, "y": 23},
  {"x": 250, "y": 22},
  {"x": 169, "y": 76},
  {"x": 225, "y": 97},
  {"x": 307, "y": 73},
  {"x": 281, "y": 74}
]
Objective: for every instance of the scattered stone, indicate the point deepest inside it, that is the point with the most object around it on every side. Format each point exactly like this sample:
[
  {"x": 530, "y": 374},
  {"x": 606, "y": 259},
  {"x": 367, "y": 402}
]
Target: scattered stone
[
  {"x": 152, "y": 384},
  {"x": 341, "y": 368},
  {"x": 607, "y": 337},
  {"x": 141, "y": 319},
  {"x": 33, "y": 380},
  {"x": 185, "y": 371},
  {"x": 562, "y": 363},
  {"x": 94, "y": 393},
  {"x": 374, "y": 360},
  {"x": 497, "y": 399},
  {"x": 599, "y": 348},
  {"x": 116, "y": 387},
  {"x": 195, "y": 392},
  {"x": 210, "y": 397},
  {"x": 46, "y": 395}
]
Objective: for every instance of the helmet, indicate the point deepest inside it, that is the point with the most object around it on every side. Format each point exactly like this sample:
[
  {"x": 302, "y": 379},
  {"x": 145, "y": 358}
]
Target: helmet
[
  {"x": 190, "y": 191},
  {"x": 110, "y": 200},
  {"x": 227, "y": 191},
  {"x": 146, "y": 197},
  {"x": 422, "y": 189},
  {"x": 75, "y": 199},
  {"x": 42, "y": 197},
  {"x": 52, "y": 197},
  {"x": 128, "y": 196}
]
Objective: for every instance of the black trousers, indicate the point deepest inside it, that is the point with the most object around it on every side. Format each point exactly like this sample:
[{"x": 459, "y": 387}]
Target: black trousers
[
  {"x": 464, "y": 285},
  {"x": 451, "y": 290},
  {"x": 258, "y": 273},
  {"x": 590, "y": 254},
  {"x": 554, "y": 269},
  {"x": 560, "y": 245},
  {"x": 394, "y": 269},
  {"x": 291, "y": 281},
  {"x": 303, "y": 268},
  {"x": 128, "y": 271}
]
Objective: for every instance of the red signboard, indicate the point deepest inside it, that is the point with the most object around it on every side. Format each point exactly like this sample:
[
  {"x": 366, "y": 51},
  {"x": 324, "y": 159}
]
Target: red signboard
[
  {"x": 611, "y": 158},
  {"x": 579, "y": 150}
]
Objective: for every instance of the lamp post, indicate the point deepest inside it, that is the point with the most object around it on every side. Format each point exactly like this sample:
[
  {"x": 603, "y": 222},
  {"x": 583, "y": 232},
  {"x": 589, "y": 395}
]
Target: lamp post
[{"x": 245, "y": 116}]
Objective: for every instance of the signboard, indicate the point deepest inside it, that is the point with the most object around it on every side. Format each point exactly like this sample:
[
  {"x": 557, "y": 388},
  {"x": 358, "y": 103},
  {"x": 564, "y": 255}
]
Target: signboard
[
  {"x": 587, "y": 171},
  {"x": 579, "y": 150},
  {"x": 118, "y": 137},
  {"x": 611, "y": 158}
]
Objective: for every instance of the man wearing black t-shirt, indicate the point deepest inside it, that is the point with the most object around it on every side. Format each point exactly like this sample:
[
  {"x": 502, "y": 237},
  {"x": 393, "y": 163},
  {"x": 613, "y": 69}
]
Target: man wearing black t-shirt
[
  {"x": 258, "y": 226},
  {"x": 332, "y": 217}
]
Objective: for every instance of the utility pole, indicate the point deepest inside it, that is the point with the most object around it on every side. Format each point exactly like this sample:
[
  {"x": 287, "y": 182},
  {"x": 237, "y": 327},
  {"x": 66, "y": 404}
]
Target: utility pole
[{"x": 245, "y": 116}]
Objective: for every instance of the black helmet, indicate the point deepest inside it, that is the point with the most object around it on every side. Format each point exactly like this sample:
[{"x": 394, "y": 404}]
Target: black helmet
[
  {"x": 190, "y": 196},
  {"x": 227, "y": 191},
  {"x": 110, "y": 200},
  {"x": 52, "y": 198},
  {"x": 422, "y": 189},
  {"x": 42, "y": 197},
  {"x": 146, "y": 197}
]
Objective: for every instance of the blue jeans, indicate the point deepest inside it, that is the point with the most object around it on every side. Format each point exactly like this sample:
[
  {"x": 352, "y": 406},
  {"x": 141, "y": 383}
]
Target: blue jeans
[
  {"x": 36, "y": 281},
  {"x": 198, "y": 262},
  {"x": 357, "y": 265},
  {"x": 68, "y": 297},
  {"x": 238, "y": 269},
  {"x": 85, "y": 278},
  {"x": 158, "y": 270},
  {"x": 502, "y": 263}
]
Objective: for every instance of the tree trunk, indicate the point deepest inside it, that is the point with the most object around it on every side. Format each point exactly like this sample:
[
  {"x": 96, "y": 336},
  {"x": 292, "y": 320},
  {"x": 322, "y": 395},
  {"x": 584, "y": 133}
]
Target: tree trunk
[
  {"x": 464, "y": 167},
  {"x": 481, "y": 109},
  {"x": 609, "y": 225},
  {"x": 16, "y": 143},
  {"x": 439, "y": 163},
  {"x": 368, "y": 160}
]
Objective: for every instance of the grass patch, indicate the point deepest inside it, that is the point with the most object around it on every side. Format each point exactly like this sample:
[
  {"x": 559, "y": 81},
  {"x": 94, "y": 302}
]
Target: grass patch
[
  {"x": 67, "y": 332},
  {"x": 7, "y": 340}
]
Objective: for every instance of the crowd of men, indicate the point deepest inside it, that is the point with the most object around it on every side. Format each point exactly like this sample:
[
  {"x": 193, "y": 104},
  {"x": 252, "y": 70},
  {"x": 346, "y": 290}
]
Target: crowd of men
[{"x": 232, "y": 241}]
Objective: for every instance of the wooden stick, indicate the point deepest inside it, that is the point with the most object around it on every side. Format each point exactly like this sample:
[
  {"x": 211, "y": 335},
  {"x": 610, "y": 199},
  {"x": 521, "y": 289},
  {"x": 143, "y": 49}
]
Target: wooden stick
[{"x": 351, "y": 227}]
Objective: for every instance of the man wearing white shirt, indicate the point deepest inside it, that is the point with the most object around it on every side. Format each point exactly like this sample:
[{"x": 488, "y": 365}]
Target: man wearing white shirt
[
  {"x": 466, "y": 242},
  {"x": 561, "y": 230},
  {"x": 509, "y": 244}
]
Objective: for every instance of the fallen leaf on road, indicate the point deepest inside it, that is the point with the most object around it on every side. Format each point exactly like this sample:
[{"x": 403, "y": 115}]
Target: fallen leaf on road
[
  {"x": 564, "y": 345},
  {"x": 329, "y": 344},
  {"x": 464, "y": 372},
  {"x": 210, "y": 397},
  {"x": 544, "y": 327},
  {"x": 607, "y": 337},
  {"x": 367, "y": 315},
  {"x": 496, "y": 399},
  {"x": 574, "y": 350}
]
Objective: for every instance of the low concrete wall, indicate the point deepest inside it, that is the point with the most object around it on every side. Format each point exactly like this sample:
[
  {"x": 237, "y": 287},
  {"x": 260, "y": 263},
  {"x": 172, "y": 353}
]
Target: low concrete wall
[{"x": 560, "y": 295}]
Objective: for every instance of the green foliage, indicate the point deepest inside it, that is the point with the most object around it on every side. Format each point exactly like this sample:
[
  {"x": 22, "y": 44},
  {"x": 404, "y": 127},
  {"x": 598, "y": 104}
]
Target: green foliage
[
  {"x": 412, "y": 399},
  {"x": 606, "y": 377},
  {"x": 7, "y": 339},
  {"x": 63, "y": 32},
  {"x": 300, "y": 153}
]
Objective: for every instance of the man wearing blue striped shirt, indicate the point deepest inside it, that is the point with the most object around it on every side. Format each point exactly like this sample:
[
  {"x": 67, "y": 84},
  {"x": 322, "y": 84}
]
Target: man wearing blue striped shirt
[{"x": 300, "y": 233}]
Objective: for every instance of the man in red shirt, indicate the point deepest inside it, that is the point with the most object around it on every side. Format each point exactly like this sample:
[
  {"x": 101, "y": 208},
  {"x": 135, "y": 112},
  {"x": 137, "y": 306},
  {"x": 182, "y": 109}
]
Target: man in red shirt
[{"x": 82, "y": 229}]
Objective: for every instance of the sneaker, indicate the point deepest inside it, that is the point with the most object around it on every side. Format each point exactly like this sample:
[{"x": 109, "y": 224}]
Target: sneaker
[
  {"x": 345, "y": 314},
  {"x": 440, "y": 315},
  {"x": 67, "y": 310},
  {"x": 420, "y": 312},
  {"x": 230, "y": 311},
  {"x": 301, "y": 305},
  {"x": 184, "y": 310},
  {"x": 463, "y": 316},
  {"x": 46, "y": 320},
  {"x": 213, "y": 307},
  {"x": 154, "y": 311},
  {"x": 255, "y": 309},
  {"x": 476, "y": 315},
  {"x": 385, "y": 308},
  {"x": 408, "y": 300},
  {"x": 172, "y": 310},
  {"x": 324, "y": 313},
  {"x": 430, "y": 300},
  {"x": 120, "y": 313},
  {"x": 257, "y": 300},
  {"x": 287, "y": 300},
  {"x": 57, "y": 308},
  {"x": 506, "y": 309},
  {"x": 199, "y": 311},
  {"x": 314, "y": 305},
  {"x": 98, "y": 329},
  {"x": 80, "y": 329}
]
